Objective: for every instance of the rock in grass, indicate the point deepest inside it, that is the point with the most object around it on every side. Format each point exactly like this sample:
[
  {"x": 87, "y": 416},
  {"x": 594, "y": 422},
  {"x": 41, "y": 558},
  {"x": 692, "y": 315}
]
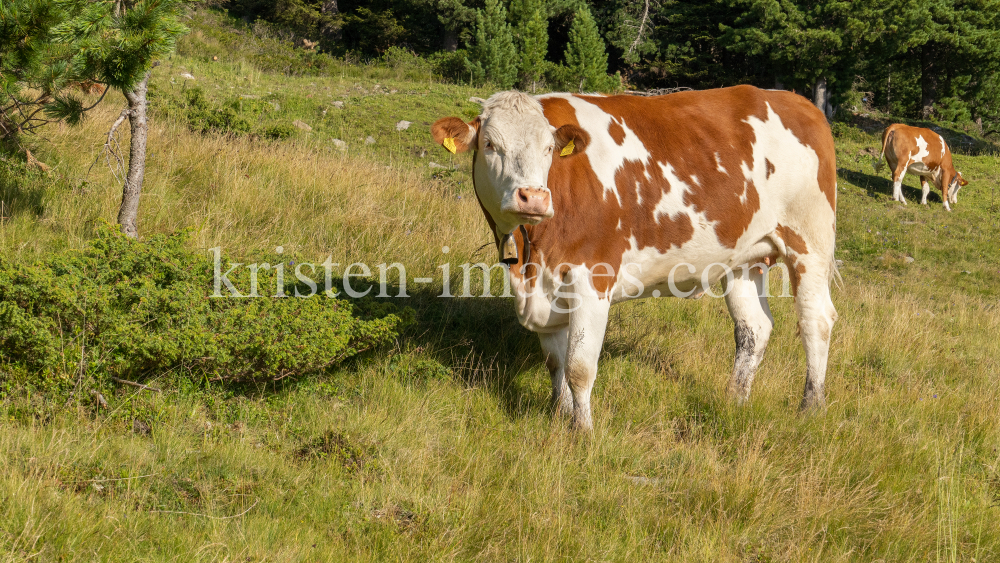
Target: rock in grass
[
  {"x": 302, "y": 125},
  {"x": 340, "y": 144},
  {"x": 403, "y": 125},
  {"x": 436, "y": 165},
  {"x": 369, "y": 140},
  {"x": 187, "y": 75},
  {"x": 338, "y": 105},
  {"x": 909, "y": 259}
]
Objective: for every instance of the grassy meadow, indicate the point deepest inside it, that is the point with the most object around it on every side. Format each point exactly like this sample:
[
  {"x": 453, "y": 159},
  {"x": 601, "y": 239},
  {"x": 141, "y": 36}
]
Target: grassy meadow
[{"x": 442, "y": 446}]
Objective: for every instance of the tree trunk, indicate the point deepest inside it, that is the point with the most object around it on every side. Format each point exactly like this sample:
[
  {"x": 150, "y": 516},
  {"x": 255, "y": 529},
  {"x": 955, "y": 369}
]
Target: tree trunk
[
  {"x": 821, "y": 97},
  {"x": 449, "y": 40},
  {"x": 330, "y": 32},
  {"x": 129, "y": 210},
  {"x": 928, "y": 80}
]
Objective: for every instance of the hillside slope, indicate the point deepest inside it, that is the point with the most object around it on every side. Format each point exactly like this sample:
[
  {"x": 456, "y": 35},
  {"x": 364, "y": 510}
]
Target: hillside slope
[{"x": 442, "y": 447}]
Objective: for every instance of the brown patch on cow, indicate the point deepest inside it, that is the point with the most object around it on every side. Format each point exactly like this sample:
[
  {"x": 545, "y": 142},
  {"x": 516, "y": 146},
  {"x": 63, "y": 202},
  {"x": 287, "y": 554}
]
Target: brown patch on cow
[
  {"x": 797, "y": 270},
  {"x": 463, "y": 133},
  {"x": 770, "y": 168},
  {"x": 793, "y": 240},
  {"x": 617, "y": 132},
  {"x": 728, "y": 200}
]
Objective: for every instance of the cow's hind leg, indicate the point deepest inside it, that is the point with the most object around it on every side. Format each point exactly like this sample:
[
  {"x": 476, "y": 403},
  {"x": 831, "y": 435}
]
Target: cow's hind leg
[
  {"x": 747, "y": 303},
  {"x": 811, "y": 274},
  {"x": 897, "y": 180},
  {"x": 555, "y": 347},
  {"x": 926, "y": 189}
]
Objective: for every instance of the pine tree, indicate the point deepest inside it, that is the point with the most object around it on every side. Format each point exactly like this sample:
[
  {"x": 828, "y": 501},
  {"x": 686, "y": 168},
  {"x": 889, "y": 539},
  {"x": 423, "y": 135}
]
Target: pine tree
[
  {"x": 494, "y": 58},
  {"x": 47, "y": 46},
  {"x": 532, "y": 36},
  {"x": 810, "y": 44},
  {"x": 586, "y": 58},
  {"x": 122, "y": 51}
]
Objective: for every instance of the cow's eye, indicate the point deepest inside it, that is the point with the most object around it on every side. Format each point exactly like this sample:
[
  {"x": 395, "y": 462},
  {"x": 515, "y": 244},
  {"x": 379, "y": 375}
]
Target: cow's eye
[
  {"x": 489, "y": 144},
  {"x": 548, "y": 150}
]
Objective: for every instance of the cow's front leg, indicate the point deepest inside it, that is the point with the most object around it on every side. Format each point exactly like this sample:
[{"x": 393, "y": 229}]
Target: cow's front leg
[
  {"x": 555, "y": 347},
  {"x": 587, "y": 325}
]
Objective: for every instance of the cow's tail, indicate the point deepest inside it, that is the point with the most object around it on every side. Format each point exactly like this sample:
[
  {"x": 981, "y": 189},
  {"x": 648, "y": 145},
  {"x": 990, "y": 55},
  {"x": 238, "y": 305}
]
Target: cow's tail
[{"x": 886, "y": 137}]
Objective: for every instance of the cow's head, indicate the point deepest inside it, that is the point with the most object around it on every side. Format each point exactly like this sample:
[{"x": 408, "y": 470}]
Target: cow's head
[
  {"x": 514, "y": 146},
  {"x": 957, "y": 181}
]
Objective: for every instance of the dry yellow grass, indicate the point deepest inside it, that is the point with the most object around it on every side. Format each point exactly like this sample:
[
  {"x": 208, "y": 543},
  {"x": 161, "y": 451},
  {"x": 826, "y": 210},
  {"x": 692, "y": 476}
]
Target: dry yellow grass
[{"x": 248, "y": 196}]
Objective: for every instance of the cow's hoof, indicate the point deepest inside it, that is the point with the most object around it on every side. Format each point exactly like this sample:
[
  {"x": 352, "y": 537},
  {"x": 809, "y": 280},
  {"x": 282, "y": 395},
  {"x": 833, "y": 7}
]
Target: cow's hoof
[
  {"x": 812, "y": 404},
  {"x": 739, "y": 396},
  {"x": 582, "y": 423}
]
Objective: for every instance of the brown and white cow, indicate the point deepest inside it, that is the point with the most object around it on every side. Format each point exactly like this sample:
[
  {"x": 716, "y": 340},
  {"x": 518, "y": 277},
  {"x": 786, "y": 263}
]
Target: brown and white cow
[
  {"x": 924, "y": 153},
  {"x": 622, "y": 197}
]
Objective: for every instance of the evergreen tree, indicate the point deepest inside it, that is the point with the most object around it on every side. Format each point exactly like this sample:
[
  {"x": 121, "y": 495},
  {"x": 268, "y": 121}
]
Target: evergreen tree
[
  {"x": 586, "y": 58},
  {"x": 811, "y": 44},
  {"x": 47, "y": 46},
  {"x": 532, "y": 36},
  {"x": 494, "y": 58}
]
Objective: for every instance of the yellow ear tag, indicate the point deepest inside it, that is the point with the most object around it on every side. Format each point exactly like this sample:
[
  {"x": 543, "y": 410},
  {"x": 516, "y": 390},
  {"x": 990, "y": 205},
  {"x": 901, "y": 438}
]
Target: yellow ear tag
[
  {"x": 449, "y": 143},
  {"x": 568, "y": 149}
]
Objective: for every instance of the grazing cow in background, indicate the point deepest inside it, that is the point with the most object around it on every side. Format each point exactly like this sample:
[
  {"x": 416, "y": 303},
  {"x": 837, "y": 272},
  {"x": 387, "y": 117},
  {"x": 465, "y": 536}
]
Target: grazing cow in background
[
  {"x": 595, "y": 200},
  {"x": 924, "y": 153}
]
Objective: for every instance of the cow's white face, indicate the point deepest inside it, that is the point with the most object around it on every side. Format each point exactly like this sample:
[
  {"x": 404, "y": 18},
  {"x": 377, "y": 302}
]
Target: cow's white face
[
  {"x": 512, "y": 168},
  {"x": 514, "y": 146}
]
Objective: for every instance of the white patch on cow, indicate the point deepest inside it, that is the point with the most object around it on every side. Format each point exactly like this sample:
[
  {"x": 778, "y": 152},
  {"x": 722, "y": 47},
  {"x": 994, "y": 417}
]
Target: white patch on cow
[
  {"x": 747, "y": 178},
  {"x": 672, "y": 202},
  {"x": 694, "y": 180},
  {"x": 606, "y": 156},
  {"x": 943, "y": 145},
  {"x": 921, "y": 152},
  {"x": 718, "y": 164},
  {"x": 796, "y": 163},
  {"x": 619, "y": 225}
]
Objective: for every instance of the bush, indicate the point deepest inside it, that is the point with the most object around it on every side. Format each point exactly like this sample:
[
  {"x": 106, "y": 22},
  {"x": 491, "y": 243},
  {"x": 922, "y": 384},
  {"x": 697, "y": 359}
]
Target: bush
[
  {"x": 235, "y": 115},
  {"x": 132, "y": 309},
  {"x": 408, "y": 64},
  {"x": 453, "y": 66},
  {"x": 279, "y": 131}
]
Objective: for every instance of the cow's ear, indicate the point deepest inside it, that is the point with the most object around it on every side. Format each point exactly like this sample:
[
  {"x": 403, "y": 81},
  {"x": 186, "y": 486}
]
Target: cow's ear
[
  {"x": 454, "y": 134},
  {"x": 963, "y": 181},
  {"x": 570, "y": 140}
]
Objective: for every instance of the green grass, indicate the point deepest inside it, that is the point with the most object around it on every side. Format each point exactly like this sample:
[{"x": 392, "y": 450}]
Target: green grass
[{"x": 442, "y": 446}]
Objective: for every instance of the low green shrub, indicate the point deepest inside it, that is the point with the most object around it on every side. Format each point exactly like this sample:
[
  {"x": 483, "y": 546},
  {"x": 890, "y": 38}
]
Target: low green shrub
[
  {"x": 137, "y": 308},
  {"x": 279, "y": 131}
]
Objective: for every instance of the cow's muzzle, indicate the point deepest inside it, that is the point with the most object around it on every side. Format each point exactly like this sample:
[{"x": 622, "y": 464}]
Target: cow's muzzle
[{"x": 533, "y": 204}]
